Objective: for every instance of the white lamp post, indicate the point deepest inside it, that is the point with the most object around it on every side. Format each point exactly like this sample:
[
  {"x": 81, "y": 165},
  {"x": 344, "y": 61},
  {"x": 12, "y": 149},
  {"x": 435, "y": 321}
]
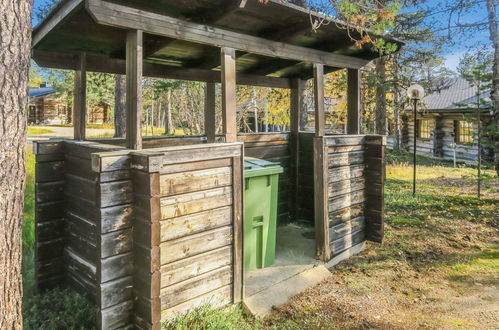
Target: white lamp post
[{"x": 415, "y": 92}]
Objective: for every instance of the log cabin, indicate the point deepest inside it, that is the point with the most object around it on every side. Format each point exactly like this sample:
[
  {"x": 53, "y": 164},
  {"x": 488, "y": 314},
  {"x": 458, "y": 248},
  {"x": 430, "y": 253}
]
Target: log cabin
[
  {"x": 148, "y": 227},
  {"x": 44, "y": 107},
  {"x": 447, "y": 123}
]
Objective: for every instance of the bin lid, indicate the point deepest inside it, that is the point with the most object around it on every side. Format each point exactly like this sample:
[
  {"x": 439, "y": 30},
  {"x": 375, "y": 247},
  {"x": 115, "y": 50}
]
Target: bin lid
[{"x": 260, "y": 167}]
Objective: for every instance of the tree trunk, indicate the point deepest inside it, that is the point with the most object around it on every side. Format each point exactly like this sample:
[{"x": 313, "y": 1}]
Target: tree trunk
[
  {"x": 380, "y": 121},
  {"x": 494, "y": 37},
  {"x": 168, "y": 113},
  {"x": 396, "y": 104},
  {"x": 119, "y": 106},
  {"x": 15, "y": 36}
]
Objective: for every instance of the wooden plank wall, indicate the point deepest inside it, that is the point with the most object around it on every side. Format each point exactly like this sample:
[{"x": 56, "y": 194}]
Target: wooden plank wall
[
  {"x": 355, "y": 190},
  {"x": 99, "y": 237},
  {"x": 305, "y": 180},
  {"x": 191, "y": 198},
  {"x": 49, "y": 213},
  {"x": 273, "y": 147}
]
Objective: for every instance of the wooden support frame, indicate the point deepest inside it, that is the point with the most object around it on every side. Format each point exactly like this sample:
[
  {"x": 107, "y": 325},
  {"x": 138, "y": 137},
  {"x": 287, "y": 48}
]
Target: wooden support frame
[
  {"x": 321, "y": 199},
  {"x": 297, "y": 89},
  {"x": 134, "y": 89},
  {"x": 209, "y": 112},
  {"x": 353, "y": 101},
  {"x": 229, "y": 125},
  {"x": 80, "y": 98},
  {"x": 319, "y": 99},
  {"x": 101, "y": 64},
  {"x": 113, "y": 14}
]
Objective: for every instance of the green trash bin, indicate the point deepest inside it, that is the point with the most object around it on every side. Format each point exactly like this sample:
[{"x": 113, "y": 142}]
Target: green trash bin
[{"x": 260, "y": 212}]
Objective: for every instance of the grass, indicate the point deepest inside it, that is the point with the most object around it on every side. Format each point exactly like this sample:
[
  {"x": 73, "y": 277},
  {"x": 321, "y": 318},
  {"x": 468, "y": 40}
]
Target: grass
[
  {"x": 33, "y": 131},
  {"x": 441, "y": 244}
]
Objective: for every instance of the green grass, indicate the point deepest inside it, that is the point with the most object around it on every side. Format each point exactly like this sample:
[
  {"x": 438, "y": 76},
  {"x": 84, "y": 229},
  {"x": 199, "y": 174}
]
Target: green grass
[{"x": 38, "y": 131}]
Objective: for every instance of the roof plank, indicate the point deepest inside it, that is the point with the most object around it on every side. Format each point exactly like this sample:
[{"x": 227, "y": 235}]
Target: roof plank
[{"x": 126, "y": 17}]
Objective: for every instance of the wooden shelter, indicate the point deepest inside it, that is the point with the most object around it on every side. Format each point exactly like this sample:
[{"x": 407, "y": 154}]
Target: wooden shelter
[{"x": 151, "y": 226}]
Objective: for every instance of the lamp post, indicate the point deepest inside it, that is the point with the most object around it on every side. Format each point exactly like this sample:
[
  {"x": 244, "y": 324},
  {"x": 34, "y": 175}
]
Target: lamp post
[{"x": 415, "y": 92}]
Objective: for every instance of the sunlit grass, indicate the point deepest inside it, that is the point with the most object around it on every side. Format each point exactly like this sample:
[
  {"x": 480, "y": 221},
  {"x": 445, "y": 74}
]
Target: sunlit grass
[{"x": 33, "y": 131}]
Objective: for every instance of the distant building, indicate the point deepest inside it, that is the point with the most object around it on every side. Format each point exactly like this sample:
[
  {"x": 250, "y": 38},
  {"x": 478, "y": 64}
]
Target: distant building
[
  {"x": 45, "y": 108},
  {"x": 447, "y": 121}
]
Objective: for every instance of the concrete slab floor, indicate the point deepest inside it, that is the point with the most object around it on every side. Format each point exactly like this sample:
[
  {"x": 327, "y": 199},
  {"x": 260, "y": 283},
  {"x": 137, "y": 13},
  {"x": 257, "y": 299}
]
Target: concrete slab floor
[{"x": 295, "y": 254}]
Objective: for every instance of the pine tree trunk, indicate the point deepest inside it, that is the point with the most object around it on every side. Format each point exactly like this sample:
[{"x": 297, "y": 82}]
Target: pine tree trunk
[
  {"x": 15, "y": 40},
  {"x": 119, "y": 106},
  {"x": 380, "y": 121},
  {"x": 494, "y": 37},
  {"x": 396, "y": 103},
  {"x": 168, "y": 113}
]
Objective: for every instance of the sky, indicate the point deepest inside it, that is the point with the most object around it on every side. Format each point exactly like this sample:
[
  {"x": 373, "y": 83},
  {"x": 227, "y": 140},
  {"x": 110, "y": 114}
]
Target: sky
[{"x": 459, "y": 42}]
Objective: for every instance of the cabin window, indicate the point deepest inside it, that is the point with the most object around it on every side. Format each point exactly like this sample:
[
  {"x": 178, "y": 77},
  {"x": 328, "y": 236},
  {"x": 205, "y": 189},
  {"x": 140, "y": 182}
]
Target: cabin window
[
  {"x": 464, "y": 131},
  {"x": 423, "y": 129}
]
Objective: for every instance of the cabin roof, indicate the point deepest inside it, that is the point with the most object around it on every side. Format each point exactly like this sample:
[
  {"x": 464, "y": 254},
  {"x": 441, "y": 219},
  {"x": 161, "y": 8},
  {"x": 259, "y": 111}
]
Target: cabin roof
[
  {"x": 456, "y": 91},
  {"x": 90, "y": 26},
  {"x": 40, "y": 91}
]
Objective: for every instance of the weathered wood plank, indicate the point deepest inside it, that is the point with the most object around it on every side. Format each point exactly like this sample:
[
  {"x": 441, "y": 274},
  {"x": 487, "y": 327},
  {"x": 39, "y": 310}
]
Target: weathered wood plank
[
  {"x": 345, "y": 158},
  {"x": 347, "y": 242},
  {"x": 347, "y": 200},
  {"x": 345, "y": 186},
  {"x": 345, "y": 172},
  {"x": 116, "y": 291},
  {"x": 116, "y": 267},
  {"x": 49, "y": 171},
  {"x": 179, "y": 183},
  {"x": 341, "y": 230},
  {"x": 115, "y": 193},
  {"x": 116, "y": 242},
  {"x": 195, "y": 287},
  {"x": 193, "y": 166},
  {"x": 112, "y": 317},
  {"x": 195, "y": 202},
  {"x": 187, "y": 268},
  {"x": 217, "y": 298},
  {"x": 134, "y": 56},
  {"x": 209, "y": 112},
  {"x": 195, "y": 223},
  {"x": 195, "y": 244},
  {"x": 345, "y": 214},
  {"x": 228, "y": 72}
]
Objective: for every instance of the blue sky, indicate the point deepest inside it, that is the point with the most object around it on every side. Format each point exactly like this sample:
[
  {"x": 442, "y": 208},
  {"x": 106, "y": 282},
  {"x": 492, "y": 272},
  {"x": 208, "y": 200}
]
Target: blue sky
[{"x": 459, "y": 42}]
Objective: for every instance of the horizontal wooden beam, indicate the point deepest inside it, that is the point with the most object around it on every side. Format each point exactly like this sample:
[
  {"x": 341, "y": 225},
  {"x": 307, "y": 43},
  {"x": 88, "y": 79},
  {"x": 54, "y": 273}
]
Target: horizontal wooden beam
[
  {"x": 60, "y": 12},
  {"x": 117, "y": 66},
  {"x": 112, "y": 14}
]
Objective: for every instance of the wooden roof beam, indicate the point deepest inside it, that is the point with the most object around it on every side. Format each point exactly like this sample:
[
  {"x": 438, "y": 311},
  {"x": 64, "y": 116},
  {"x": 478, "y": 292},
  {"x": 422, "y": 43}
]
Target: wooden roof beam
[
  {"x": 102, "y": 64},
  {"x": 130, "y": 18}
]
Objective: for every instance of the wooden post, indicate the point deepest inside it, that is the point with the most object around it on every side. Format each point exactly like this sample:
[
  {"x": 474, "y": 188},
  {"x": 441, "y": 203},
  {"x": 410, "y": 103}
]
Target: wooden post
[
  {"x": 297, "y": 87},
  {"x": 229, "y": 126},
  {"x": 319, "y": 99},
  {"x": 321, "y": 199},
  {"x": 134, "y": 89},
  {"x": 353, "y": 102},
  {"x": 209, "y": 112},
  {"x": 80, "y": 98}
]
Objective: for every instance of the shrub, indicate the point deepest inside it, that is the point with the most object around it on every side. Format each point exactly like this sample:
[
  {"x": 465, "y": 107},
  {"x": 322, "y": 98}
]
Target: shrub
[{"x": 59, "y": 309}]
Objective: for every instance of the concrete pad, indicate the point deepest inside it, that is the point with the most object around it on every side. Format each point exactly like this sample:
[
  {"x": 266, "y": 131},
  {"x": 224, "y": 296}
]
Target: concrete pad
[{"x": 261, "y": 303}]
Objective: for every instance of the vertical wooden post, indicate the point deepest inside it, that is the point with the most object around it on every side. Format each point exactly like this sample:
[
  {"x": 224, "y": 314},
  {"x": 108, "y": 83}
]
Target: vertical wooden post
[
  {"x": 134, "y": 89},
  {"x": 80, "y": 98},
  {"x": 209, "y": 112},
  {"x": 319, "y": 99},
  {"x": 353, "y": 102},
  {"x": 229, "y": 125},
  {"x": 297, "y": 87},
  {"x": 321, "y": 199},
  {"x": 237, "y": 195}
]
